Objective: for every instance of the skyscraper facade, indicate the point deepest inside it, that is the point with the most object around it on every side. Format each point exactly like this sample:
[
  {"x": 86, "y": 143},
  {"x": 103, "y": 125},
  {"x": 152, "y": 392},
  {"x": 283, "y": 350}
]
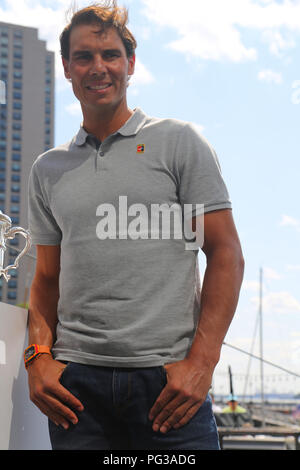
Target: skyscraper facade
[{"x": 26, "y": 131}]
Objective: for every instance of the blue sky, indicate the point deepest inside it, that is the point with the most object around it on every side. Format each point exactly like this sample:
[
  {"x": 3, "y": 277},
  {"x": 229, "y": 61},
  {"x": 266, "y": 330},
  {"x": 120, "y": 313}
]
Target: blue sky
[{"x": 232, "y": 68}]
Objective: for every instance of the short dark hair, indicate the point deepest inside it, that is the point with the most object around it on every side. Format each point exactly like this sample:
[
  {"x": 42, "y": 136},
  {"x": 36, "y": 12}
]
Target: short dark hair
[{"x": 107, "y": 15}]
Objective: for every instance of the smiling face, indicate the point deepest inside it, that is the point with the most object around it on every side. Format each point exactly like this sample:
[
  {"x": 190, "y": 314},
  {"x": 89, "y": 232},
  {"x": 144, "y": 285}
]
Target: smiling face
[{"x": 99, "y": 68}]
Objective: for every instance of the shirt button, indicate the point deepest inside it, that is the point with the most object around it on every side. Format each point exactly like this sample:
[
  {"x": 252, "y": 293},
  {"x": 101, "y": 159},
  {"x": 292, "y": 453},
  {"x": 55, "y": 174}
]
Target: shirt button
[{"x": 101, "y": 154}]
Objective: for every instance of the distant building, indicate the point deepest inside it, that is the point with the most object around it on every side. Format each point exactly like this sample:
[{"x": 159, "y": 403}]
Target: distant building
[{"x": 26, "y": 130}]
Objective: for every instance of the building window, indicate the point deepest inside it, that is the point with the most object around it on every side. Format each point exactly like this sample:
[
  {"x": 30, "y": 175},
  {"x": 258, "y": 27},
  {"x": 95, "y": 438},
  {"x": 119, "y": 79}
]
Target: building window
[
  {"x": 15, "y": 220},
  {"x": 17, "y": 95},
  {"x": 15, "y": 188},
  {"x": 16, "y": 167},
  {"x": 12, "y": 252},
  {"x": 16, "y": 146},
  {"x": 4, "y": 41},
  {"x": 17, "y": 136},
  {"x": 3, "y": 62},
  {"x": 16, "y": 178},
  {"x": 17, "y": 85},
  {"x": 17, "y": 126},
  {"x": 15, "y": 198},
  {"x": 2, "y": 155},
  {"x": 17, "y": 64},
  {"x": 12, "y": 295},
  {"x": 17, "y": 116},
  {"x": 17, "y": 105},
  {"x": 18, "y": 74},
  {"x": 16, "y": 157},
  {"x": 15, "y": 209},
  {"x": 12, "y": 283},
  {"x": 2, "y": 176},
  {"x": 18, "y": 33}
]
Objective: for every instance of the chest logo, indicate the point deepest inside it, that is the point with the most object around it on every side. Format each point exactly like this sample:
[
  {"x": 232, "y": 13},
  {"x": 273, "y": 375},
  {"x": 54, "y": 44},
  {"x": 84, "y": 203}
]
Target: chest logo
[{"x": 140, "y": 148}]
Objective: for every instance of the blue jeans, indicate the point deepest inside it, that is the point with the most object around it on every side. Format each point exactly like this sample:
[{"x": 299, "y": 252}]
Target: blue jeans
[{"x": 116, "y": 404}]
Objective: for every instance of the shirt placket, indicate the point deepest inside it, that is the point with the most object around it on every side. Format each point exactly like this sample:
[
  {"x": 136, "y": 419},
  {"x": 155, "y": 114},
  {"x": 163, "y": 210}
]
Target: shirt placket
[{"x": 101, "y": 154}]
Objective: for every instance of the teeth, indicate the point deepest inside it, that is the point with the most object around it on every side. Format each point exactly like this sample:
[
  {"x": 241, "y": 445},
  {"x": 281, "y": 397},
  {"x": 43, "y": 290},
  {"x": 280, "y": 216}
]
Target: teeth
[{"x": 102, "y": 87}]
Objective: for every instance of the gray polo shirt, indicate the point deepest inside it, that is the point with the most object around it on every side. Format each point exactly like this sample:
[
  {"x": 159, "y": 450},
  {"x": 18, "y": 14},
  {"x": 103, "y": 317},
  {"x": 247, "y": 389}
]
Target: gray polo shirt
[{"x": 127, "y": 298}]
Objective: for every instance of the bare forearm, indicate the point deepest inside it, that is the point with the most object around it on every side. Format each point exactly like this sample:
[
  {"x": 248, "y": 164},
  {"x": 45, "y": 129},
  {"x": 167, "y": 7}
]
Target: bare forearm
[
  {"x": 43, "y": 301},
  {"x": 219, "y": 298}
]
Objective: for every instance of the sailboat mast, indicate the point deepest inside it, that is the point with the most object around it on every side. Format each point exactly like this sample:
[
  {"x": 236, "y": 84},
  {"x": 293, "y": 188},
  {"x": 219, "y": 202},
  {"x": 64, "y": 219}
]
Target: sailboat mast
[{"x": 261, "y": 345}]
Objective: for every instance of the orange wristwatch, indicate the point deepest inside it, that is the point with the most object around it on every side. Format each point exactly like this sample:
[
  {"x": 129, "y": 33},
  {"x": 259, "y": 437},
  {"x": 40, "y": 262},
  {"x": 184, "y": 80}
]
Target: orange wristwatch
[{"x": 33, "y": 351}]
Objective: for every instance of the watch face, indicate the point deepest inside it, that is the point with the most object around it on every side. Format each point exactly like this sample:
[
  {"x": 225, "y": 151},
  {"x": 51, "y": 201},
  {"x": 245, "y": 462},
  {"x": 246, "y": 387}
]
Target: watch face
[{"x": 29, "y": 352}]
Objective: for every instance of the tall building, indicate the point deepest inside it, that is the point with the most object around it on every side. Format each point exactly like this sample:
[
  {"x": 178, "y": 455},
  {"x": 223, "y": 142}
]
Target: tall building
[{"x": 26, "y": 131}]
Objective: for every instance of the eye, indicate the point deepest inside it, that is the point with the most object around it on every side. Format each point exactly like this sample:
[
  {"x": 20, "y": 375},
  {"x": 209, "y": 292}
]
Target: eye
[
  {"x": 82, "y": 57},
  {"x": 111, "y": 54}
]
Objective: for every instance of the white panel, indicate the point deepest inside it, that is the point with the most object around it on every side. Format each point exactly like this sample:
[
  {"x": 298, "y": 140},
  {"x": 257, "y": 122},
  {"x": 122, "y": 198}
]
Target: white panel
[{"x": 22, "y": 425}]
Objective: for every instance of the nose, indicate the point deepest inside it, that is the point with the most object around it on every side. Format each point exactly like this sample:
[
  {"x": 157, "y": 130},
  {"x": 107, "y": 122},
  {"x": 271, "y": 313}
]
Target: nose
[{"x": 98, "y": 65}]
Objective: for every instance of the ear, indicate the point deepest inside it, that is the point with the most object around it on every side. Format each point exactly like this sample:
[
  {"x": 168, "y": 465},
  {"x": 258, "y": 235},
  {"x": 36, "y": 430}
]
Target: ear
[
  {"x": 131, "y": 65},
  {"x": 66, "y": 68}
]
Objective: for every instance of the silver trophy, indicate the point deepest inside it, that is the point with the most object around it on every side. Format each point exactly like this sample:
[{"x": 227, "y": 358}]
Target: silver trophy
[{"x": 7, "y": 232}]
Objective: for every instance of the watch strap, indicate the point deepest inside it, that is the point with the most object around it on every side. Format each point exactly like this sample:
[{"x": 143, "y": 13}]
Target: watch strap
[{"x": 33, "y": 351}]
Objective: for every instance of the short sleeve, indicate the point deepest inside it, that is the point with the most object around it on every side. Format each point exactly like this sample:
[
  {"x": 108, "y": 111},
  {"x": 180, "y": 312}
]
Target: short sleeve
[
  {"x": 42, "y": 225},
  {"x": 200, "y": 178}
]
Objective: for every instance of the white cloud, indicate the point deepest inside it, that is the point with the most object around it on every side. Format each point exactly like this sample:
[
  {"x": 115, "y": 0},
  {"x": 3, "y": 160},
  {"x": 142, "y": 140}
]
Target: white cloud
[
  {"x": 270, "y": 76},
  {"x": 199, "y": 128},
  {"x": 281, "y": 302},
  {"x": 212, "y": 30},
  {"x": 277, "y": 42},
  {"x": 293, "y": 267},
  {"x": 50, "y": 17},
  {"x": 252, "y": 286},
  {"x": 74, "y": 109},
  {"x": 288, "y": 221},
  {"x": 141, "y": 76},
  {"x": 270, "y": 273}
]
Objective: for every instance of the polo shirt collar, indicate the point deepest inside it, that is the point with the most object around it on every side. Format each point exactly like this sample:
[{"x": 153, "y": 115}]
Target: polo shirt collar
[{"x": 131, "y": 127}]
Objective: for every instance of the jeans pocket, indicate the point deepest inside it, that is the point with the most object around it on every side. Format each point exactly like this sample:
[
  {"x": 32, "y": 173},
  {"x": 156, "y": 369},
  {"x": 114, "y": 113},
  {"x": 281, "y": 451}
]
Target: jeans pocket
[
  {"x": 163, "y": 374},
  {"x": 64, "y": 370}
]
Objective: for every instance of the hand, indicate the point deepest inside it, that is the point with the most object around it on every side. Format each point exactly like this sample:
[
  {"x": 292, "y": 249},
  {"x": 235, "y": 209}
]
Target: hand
[
  {"x": 46, "y": 392},
  {"x": 183, "y": 395}
]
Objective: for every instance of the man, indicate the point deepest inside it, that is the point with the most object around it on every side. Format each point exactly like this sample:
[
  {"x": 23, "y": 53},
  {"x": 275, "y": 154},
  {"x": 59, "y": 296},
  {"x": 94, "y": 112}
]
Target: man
[
  {"x": 233, "y": 406},
  {"x": 236, "y": 415},
  {"x": 126, "y": 352}
]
